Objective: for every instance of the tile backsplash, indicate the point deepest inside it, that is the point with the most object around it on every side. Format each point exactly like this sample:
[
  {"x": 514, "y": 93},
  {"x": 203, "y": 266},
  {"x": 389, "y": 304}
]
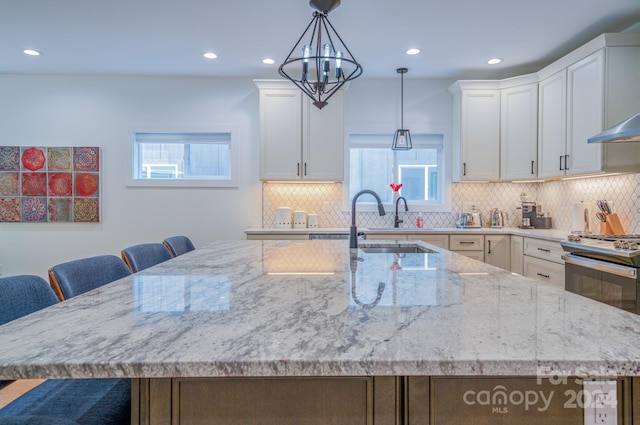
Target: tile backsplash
[{"x": 555, "y": 199}]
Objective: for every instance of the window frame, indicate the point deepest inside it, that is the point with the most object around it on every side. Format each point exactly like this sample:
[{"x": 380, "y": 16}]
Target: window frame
[
  {"x": 234, "y": 147},
  {"x": 367, "y": 203}
]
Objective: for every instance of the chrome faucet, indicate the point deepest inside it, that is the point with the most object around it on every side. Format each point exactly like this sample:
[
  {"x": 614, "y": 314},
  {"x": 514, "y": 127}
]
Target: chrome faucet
[
  {"x": 397, "y": 221},
  {"x": 353, "y": 234}
]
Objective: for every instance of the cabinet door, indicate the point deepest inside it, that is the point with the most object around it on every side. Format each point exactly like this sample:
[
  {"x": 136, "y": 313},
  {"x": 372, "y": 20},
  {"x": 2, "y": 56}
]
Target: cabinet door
[
  {"x": 517, "y": 253},
  {"x": 476, "y": 255},
  {"x": 323, "y": 148},
  {"x": 585, "y": 113},
  {"x": 519, "y": 132},
  {"x": 552, "y": 98},
  {"x": 497, "y": 251},
  {"x": 280, "y": 134},
  {"x": 480, "y": 135}
]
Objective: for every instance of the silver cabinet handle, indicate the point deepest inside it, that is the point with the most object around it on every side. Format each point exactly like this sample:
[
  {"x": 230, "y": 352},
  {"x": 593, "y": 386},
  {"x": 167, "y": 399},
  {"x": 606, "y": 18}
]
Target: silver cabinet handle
[
  {"x": 546, "y": 276},
  {"x": 466, "y": 242},
  {"x": 544, "y": 250}
]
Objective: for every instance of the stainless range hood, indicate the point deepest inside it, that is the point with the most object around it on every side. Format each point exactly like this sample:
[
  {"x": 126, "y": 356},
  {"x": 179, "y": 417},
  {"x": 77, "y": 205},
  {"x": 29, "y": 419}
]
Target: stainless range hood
[{"x": 625, "y": 131}]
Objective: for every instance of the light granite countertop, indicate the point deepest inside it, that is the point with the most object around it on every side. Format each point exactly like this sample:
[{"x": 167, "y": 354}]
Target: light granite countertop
[
  {"x": 317, "y": 308},
  {"x": 548, "y": 234}
]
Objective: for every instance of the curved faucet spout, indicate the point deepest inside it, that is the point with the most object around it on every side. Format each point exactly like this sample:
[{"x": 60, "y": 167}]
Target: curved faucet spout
[
  {"x": 396, "y": 220},
  {"x": 353, "y": 234}
]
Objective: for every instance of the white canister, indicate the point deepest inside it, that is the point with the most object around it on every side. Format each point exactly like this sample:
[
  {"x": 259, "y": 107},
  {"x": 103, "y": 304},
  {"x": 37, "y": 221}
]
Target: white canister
[
  {"x": 312, "y": 220},
  {"x": 299, "y": 219},
  {"x": 283, "y": 218}
]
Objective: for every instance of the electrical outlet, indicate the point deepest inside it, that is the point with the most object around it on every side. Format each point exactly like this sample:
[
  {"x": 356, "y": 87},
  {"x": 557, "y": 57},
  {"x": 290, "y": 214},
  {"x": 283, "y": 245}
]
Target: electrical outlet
[
  {"x": 600, "y": 402},
  {"x": 469, "y": 206}
]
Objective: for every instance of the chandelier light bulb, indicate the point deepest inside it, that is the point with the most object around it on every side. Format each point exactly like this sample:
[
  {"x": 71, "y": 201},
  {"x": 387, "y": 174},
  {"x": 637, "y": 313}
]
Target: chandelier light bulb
[{"x": 338, "y": 63}]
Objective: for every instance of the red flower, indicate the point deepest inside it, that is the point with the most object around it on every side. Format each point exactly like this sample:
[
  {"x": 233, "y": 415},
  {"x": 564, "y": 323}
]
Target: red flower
[{"x": 395, "y": 186}]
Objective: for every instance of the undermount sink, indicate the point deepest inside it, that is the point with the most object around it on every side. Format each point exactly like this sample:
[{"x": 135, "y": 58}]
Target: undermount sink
[{"x": 402, "y": 249}]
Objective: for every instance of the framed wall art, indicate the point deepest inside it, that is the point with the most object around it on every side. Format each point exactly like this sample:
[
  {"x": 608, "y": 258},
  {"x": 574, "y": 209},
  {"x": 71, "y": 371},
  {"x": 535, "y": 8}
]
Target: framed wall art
[{"x": 50, "y": 184}]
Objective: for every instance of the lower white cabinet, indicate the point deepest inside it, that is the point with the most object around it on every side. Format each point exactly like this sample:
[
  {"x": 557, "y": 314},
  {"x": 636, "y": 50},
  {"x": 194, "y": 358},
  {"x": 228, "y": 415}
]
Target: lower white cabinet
[
  {"x": 542, "y": 261},
  {"x": 471, "y": 246},
  {"x": 517, "y": 254},
  {"x": 497, "y": 251},
  {"x": 543, "y": 270},
  {"x": 441, "y": 241}
]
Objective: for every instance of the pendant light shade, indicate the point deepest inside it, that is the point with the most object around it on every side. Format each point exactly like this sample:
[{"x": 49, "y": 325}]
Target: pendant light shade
[
  {"x": 402, "y": 137},
  {"x": 320, "y": 63}
]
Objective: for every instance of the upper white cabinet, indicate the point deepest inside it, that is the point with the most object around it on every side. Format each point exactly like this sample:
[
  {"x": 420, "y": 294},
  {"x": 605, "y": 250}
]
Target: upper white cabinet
[
  {"x": 476, "y": 131},
  {"x": 297, "y": 140},
  {"x": 519, "y": 132},
  {"x": 591, "y": 89}
]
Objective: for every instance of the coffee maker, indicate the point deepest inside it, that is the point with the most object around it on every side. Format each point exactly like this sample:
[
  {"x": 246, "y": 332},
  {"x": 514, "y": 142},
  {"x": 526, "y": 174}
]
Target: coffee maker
[{"x": 533, "y": 217}]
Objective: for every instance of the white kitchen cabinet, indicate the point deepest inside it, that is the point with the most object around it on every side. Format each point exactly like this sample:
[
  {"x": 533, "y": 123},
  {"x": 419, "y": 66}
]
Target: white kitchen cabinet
[
  {"x": 497, "y": 251},
  {"x": 438, "y": 240},
  {"x": 476, "y": 132},
  {"x": 542, "y": 261},
  {"x": 596, "y": 89},
  {"x": 519, "y": 132},
  {"x": 468, "y": 245},
  {"x": 545, "y": 271},
  {"x": 517, "y": 253},
  {"x": 297, "y": 140}
]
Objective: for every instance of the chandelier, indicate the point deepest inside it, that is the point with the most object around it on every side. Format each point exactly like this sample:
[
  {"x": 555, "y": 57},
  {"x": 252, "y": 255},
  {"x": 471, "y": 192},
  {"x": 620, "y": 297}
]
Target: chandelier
[{"x": 320, "y": 63}]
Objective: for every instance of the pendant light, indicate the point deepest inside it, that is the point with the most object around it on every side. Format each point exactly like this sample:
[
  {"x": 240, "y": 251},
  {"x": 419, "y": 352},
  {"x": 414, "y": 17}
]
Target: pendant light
[
  {"x": 318, "y": 50},
  {"x": 402, "y": 138}
]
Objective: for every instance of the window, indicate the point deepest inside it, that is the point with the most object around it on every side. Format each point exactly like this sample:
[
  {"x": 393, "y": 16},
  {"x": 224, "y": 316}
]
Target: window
[
  {"x": 373, "y": 165},
  {"x": 183, "y": 159}
]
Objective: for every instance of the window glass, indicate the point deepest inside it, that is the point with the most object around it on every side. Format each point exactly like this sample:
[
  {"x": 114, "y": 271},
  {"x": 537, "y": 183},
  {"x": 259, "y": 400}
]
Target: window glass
[
  {"x": 374, "y": 165},
  {"x": 185, "y": 157}
]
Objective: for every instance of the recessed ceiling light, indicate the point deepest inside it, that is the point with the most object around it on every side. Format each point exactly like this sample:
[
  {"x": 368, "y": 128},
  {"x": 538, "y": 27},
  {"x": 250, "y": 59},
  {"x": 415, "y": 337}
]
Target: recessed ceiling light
[
  {"x": 210, "y": 55},
  {"x": 268, "y": 61},
  {"x": 494, "y": 61},
  {"x": 31, "y": 52},
  {"x": 413, "y": 51}
]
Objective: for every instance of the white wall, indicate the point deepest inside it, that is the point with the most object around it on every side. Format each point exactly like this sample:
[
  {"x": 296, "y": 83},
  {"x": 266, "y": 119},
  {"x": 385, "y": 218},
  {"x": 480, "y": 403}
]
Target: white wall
[
  {"x": 69, "y": 110},
  {"x": 102, "y": 111}
]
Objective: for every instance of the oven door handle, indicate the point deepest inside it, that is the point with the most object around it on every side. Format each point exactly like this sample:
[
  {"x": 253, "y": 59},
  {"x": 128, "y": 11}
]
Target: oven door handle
[{"x": 603, "y": 266}]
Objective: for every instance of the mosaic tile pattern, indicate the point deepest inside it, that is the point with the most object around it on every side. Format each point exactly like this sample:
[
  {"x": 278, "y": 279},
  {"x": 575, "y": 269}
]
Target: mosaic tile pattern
[
  {"x": 55, "y": 184},
  {"x": 554, "y": 198}
]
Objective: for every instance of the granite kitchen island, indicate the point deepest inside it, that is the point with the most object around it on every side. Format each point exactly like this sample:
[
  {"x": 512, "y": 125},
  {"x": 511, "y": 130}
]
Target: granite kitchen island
[{"x": 326, "y": 334}]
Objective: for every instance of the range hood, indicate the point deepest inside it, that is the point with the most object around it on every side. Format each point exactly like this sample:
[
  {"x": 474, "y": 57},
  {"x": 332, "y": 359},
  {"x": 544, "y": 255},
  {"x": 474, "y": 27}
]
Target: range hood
[{"x": 625, "y": 131}]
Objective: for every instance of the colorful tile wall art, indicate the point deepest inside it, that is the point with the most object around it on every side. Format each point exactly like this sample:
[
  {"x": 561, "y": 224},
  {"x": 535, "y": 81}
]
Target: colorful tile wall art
[{"x": 49, "y": 184}]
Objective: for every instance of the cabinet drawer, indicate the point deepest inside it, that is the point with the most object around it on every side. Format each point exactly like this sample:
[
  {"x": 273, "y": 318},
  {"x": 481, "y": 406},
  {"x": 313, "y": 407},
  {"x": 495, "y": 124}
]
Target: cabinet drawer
[
  {"x": 438, "y": 240},
  {"x": 466, "y": 242},
  {"x": 546, "y": 250},
  {"x": 543, "y": 270}
]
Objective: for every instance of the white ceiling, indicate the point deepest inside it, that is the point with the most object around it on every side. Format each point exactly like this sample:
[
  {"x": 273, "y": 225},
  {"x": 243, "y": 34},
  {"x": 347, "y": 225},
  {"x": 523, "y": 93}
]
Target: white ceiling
[{"x": 168, "y": 37}]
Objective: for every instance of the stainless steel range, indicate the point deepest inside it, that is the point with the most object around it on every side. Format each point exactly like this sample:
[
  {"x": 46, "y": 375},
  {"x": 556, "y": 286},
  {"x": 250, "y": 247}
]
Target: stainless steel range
[{"x": 604, "y": 268}]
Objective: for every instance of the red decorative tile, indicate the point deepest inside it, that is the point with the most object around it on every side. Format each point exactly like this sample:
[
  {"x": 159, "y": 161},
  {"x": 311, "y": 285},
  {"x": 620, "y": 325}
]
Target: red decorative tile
[
  {"x": 86, "y": 158},
  {"x": 34, "y": 184},
  {"x": 9, "y": 158},
  {"x": 86, "y": 210},
  {"x": 60, "y": 210},
  {"x": 60, "y": 184},
  {"x": 86, "y": 184},
  {"x": 9, "y": 183},
  {"x": 33, "y": 159},
  {"x": 9, "y": 209}
]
